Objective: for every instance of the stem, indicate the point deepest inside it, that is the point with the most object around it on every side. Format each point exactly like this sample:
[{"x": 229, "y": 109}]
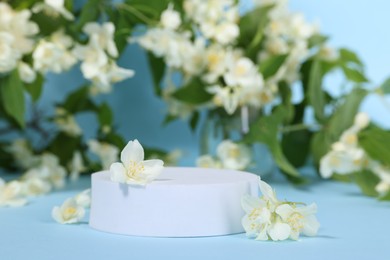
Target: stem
[
  {"x": 297, "y": 127},
  {"x": 137, "y": 13}
]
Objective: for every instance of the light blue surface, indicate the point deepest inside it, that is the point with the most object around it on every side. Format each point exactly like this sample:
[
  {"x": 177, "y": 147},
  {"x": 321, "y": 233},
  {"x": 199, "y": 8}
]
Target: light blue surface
[{"x": 352, "y": 227}]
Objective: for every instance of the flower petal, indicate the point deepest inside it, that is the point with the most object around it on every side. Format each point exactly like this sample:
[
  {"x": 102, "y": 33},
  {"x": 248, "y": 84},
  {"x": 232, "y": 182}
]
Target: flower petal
[
  {"x": 267, "y": 191},
  {"x": 248, "y": 203},
  {"x": 279, "y": 231},
  {"x": 284, "y": 211},
  {"x": 153, "y": 168},
  {"x": 118, "y": 172},
  {"x": 133, "y": 152},
  {"x": 311, "y": 226}
]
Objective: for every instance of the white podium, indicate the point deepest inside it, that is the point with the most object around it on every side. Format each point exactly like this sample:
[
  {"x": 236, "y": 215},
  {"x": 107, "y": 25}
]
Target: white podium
[{"x": 182, "y": 202}]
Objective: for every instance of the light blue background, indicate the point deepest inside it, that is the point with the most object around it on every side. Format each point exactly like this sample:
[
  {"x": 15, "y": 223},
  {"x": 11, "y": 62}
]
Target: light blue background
[{"x": 359, "y": 25}]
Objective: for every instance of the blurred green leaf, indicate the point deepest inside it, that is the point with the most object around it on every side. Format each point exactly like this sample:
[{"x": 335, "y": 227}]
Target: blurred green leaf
[
  {"x": 320, "y": 145},
  {"x": 89, "y": 13},
  {"x": 157, "y": 68},
  {"x": 348, "y": 56},
  {"x": 115, "y": 139},
  {"x": 270, "y": 66},
  {"x": 63, "y": 146},
  {"x": 385, "y": 197},
  {"x": 386, "y": 86},
  {"x": 193, "y": 93},
  {"x": 315, "y": 93},
  {"x": 78, "y": 101},
  {"x": 344, "y": 115},
  {"x": 265, "y": 130},
  {"x": 12, "y": 95},
  {"x": 251, "y": 27},
  {"x": 194, "y": 120},
  {"x": 286, "y": 95},
  {"x": 376, "y": 142},
  {"x": 105, "y": 115},
  {"x": 354, "y": 75},
  {"x": 296, "y": 146},
  {"x": 316, "y": 40},
  {"x": 169, "y": 118},
  {"x": 367, "y": 182},
  {"x": 35, "y": 88}
]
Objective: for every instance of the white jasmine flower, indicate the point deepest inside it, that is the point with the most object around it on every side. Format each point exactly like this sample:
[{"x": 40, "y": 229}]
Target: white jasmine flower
[
  {"x": 300, "y": 219},
  {"x": 109, "y": 74},
  {"x": 383, "y": 173},
  {"x": 133, "y": 169},
  {"x": 207, "y": 161},
  {"x": 69, "y": 212},
  {"x": 170, "y": 19},
  {"x": 67, "y": 123},
  {"x": 104, "y": 35},
  {"x": 76, "y": 166},
  {"x": 53, "y": 55},
  {"x": 36, "y": 186},
  {"x": 55, "y": 172},
  {"x": 83, "y": 199},
  {"x": 22, "y": 153},
  {"x": 268, "y": 218},
  {"x": 243, "y": 72},
  {"x": 26, "y": 73},
  {"x": 233, "y": 156},
  {"x": 362, "y": 120},
  {"x": 53, "y": 8},
  {"x": 11, "y": 194},
  {"x": 228, "y": 97},
  {"x": 107, "y": 153},
  {"x": 8, "y": 55},
  {"x": 343, "y": 161},
  {"x": 93, "y": 56}
]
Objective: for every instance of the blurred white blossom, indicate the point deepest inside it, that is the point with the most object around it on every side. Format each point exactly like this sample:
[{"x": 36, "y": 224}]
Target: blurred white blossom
[
  {"x": 107, "y": 153},
  {"x": 170, "y": 19},
  {"x": 83, "y": 198},
  {"x": 53, "y": 8},
  {"x": 76, "y": 166},
  {"x": 69, "y": 212},
  {"x": 11, "y": 194},
  {"x": 234, "y": 156},
  {"x": 53, "y": 54},
  {"x": 208, "y": 161}
]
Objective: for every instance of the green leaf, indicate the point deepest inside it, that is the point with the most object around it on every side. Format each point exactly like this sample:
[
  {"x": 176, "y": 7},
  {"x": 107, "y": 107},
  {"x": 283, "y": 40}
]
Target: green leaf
[
  {"x": 251, "y": 27},
  {"x": 385, "y": 197},
  {"x": 386, "y": 86},
  {"x": 316, "y": 95},
  {"x": 194, "y": 120},
  {"x": 344, "y": 115},
  {"x": 12, "y": 96},
  {"x": 90, "y": 12},
  {"x": 340, "y": 120},
  {"x": 354, "y": 75},
  {"x": 376, "y": 142},
  {"x": 64, "y": 146},
  {"x": 367, "y": 182},
  {"x": 296, "y": 146},
  {"x": 286, "y": 95},
  {"x": 115, "y": 139},
  {"x": 193, "y": 93},
  {"x": 105, "y": 115},
  {"x": 78, "y": 101},
  {"x": 270, "y": 66},
  {"x": 157, "y": 68},
  {"x": 348, "y": 56},
  {"x": 316, "y": 40},
  {"x": 35, "y": 88},
  {"x": 265, "y": 130},
  {"x": 320, "y": 145},
  {"x": 168, "y": 119}
]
